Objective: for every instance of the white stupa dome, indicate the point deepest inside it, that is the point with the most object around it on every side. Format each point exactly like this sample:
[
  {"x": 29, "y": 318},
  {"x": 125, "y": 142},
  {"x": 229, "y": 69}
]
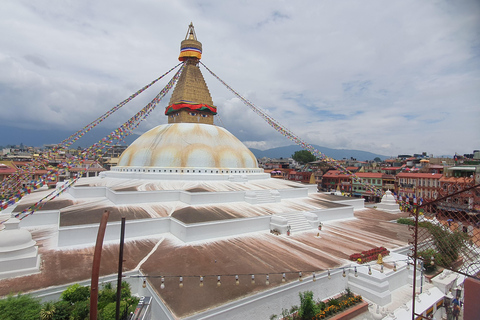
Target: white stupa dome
[
  {"x": 187, "y": 145},
  {"x": 388, "y": 203},
  {"x": 388, "y": 198},
  {"x": 18, "y": 253},
  {"x": 13, "y": 238}
]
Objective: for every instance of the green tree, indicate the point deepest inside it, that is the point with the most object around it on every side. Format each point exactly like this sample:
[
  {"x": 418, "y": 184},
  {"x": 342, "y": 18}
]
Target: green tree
[
  {"x": 80, "y": 310},
  {"x": 75, "y": 293},
  {"x": 63, "y": 309},
  {"x": 377, "y": 159},
  {"x": 75, "y": 305},
  {"x": 21, "y": 307},
  {"x": 108, "y": 313},
  {"x": 448, "y": 243},
  {"x": 126, "y": 291},
  {"x": 427, "y": 259},
  {"x": 303, "y": 156},
  {"x": 106, "y": 296}
]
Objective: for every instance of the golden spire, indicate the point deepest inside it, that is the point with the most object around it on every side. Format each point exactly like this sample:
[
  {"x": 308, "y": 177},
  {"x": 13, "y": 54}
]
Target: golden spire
[{"x": 191, "y": 101}]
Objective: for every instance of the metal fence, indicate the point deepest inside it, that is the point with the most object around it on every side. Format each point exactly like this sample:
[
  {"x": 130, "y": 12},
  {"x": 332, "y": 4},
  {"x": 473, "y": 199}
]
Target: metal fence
[{"x": 446, "y": 232}]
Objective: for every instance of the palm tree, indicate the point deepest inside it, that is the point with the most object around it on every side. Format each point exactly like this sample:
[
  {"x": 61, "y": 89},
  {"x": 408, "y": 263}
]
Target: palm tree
[{"x": 47, "y": 312}]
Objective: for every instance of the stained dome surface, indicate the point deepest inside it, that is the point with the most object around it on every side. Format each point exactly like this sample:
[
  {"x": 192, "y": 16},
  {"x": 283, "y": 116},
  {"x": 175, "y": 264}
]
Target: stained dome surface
[{"x": 188, "y": 145}]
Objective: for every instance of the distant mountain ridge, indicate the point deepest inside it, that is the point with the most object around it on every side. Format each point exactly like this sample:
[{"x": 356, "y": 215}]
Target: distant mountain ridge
[{"x": 338, "y": 154}]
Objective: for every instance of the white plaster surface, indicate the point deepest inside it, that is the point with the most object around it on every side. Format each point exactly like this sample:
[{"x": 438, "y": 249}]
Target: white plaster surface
[{"x": 18, "y": 252}]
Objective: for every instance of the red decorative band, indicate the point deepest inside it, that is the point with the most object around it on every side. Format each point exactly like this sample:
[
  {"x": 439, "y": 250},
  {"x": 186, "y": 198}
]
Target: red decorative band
[{"x": 194, "y": 107}]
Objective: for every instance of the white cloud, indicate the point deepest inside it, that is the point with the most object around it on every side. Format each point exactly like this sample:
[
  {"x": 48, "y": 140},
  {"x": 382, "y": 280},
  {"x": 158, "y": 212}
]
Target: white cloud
[{"x": 393, "y": 78}]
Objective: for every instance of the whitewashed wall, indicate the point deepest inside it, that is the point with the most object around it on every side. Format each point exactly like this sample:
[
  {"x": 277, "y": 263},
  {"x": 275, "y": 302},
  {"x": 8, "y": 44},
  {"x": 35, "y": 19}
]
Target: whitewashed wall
[
  {"x": 87, "y": 234},
  {"x": 293, "y": 193},
  {"x": 216, "y": 229},
  {"x": 41, "y": 218},
  {"x": 266, "y": 303},
  {"x": 197, "y": 198},
  {"x": 87, "y": 192},
  {"x": 334, "y": 213},
  {"x": 357, "y": 203}
]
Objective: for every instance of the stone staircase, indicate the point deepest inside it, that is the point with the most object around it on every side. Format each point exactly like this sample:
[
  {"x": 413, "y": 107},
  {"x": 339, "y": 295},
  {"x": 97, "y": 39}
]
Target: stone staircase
[
  {"x": 297, "y": 221},
  {"x": 264, "y": 196}
]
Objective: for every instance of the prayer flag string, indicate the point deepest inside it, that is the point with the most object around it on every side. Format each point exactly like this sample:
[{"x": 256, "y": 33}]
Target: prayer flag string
[
  {"x": 290, "y": 135},
  {"x": 93, "y": 151}
]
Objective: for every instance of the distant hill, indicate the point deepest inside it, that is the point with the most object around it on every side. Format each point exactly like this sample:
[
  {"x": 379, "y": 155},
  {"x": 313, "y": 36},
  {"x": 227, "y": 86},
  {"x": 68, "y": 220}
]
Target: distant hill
[{"x": 338, "y": 154}]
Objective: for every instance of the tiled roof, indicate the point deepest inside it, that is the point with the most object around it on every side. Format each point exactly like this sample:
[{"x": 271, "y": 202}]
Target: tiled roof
[
  {"x": 4, "y": 169},
  {"x": 335, "y": 173},
  {"x": 419, "y": 175},
  {"x": 369, "y": 174}
]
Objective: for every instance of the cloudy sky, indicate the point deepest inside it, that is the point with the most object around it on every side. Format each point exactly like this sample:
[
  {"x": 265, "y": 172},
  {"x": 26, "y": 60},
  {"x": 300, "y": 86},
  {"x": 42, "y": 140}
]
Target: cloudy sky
[{"x": 390, "y": 77}]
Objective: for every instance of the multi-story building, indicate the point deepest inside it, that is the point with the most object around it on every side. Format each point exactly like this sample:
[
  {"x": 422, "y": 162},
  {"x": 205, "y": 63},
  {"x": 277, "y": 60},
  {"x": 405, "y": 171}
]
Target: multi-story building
[
  {"x": 371, "y": 178},
  {"x": 6, "y": 169},
  {"x": 303, "y": 177},
  {"x": 420, "y": 185},
  {"x": 88, "y": 168},
  {"x": 334, "y": 179},
  {"x": 458, "y": 178}
]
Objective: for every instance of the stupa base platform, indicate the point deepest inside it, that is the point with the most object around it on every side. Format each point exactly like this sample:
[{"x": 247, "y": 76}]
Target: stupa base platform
[
  {"x": 10, "y": 268},
  {"x": 389, "y": 209}
]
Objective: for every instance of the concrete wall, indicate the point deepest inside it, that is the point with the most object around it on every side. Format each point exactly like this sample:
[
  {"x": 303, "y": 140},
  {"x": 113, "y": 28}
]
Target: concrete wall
[
  {"x": 334, "y": 213},
  {"x": 472, "y": 292},
  {"x": 87, "y": 192},
  {"x": 216, "y": 229},
  {"x": 196, "y": 198},
  {"x": 41, "y": 218},
  {"x": 312, "y": 188},
  {"x": 87, "y": 234},
  {"x": 266, "y": 303},
  {"x": 134, "y": 197},
  {"x": 131, "y": 197},
  {"x": 356, "y": 203},
  {"x": 293, "y": 193},
  {"x": 257, "y": 306},
  {"x": 192, "y": 198}
]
